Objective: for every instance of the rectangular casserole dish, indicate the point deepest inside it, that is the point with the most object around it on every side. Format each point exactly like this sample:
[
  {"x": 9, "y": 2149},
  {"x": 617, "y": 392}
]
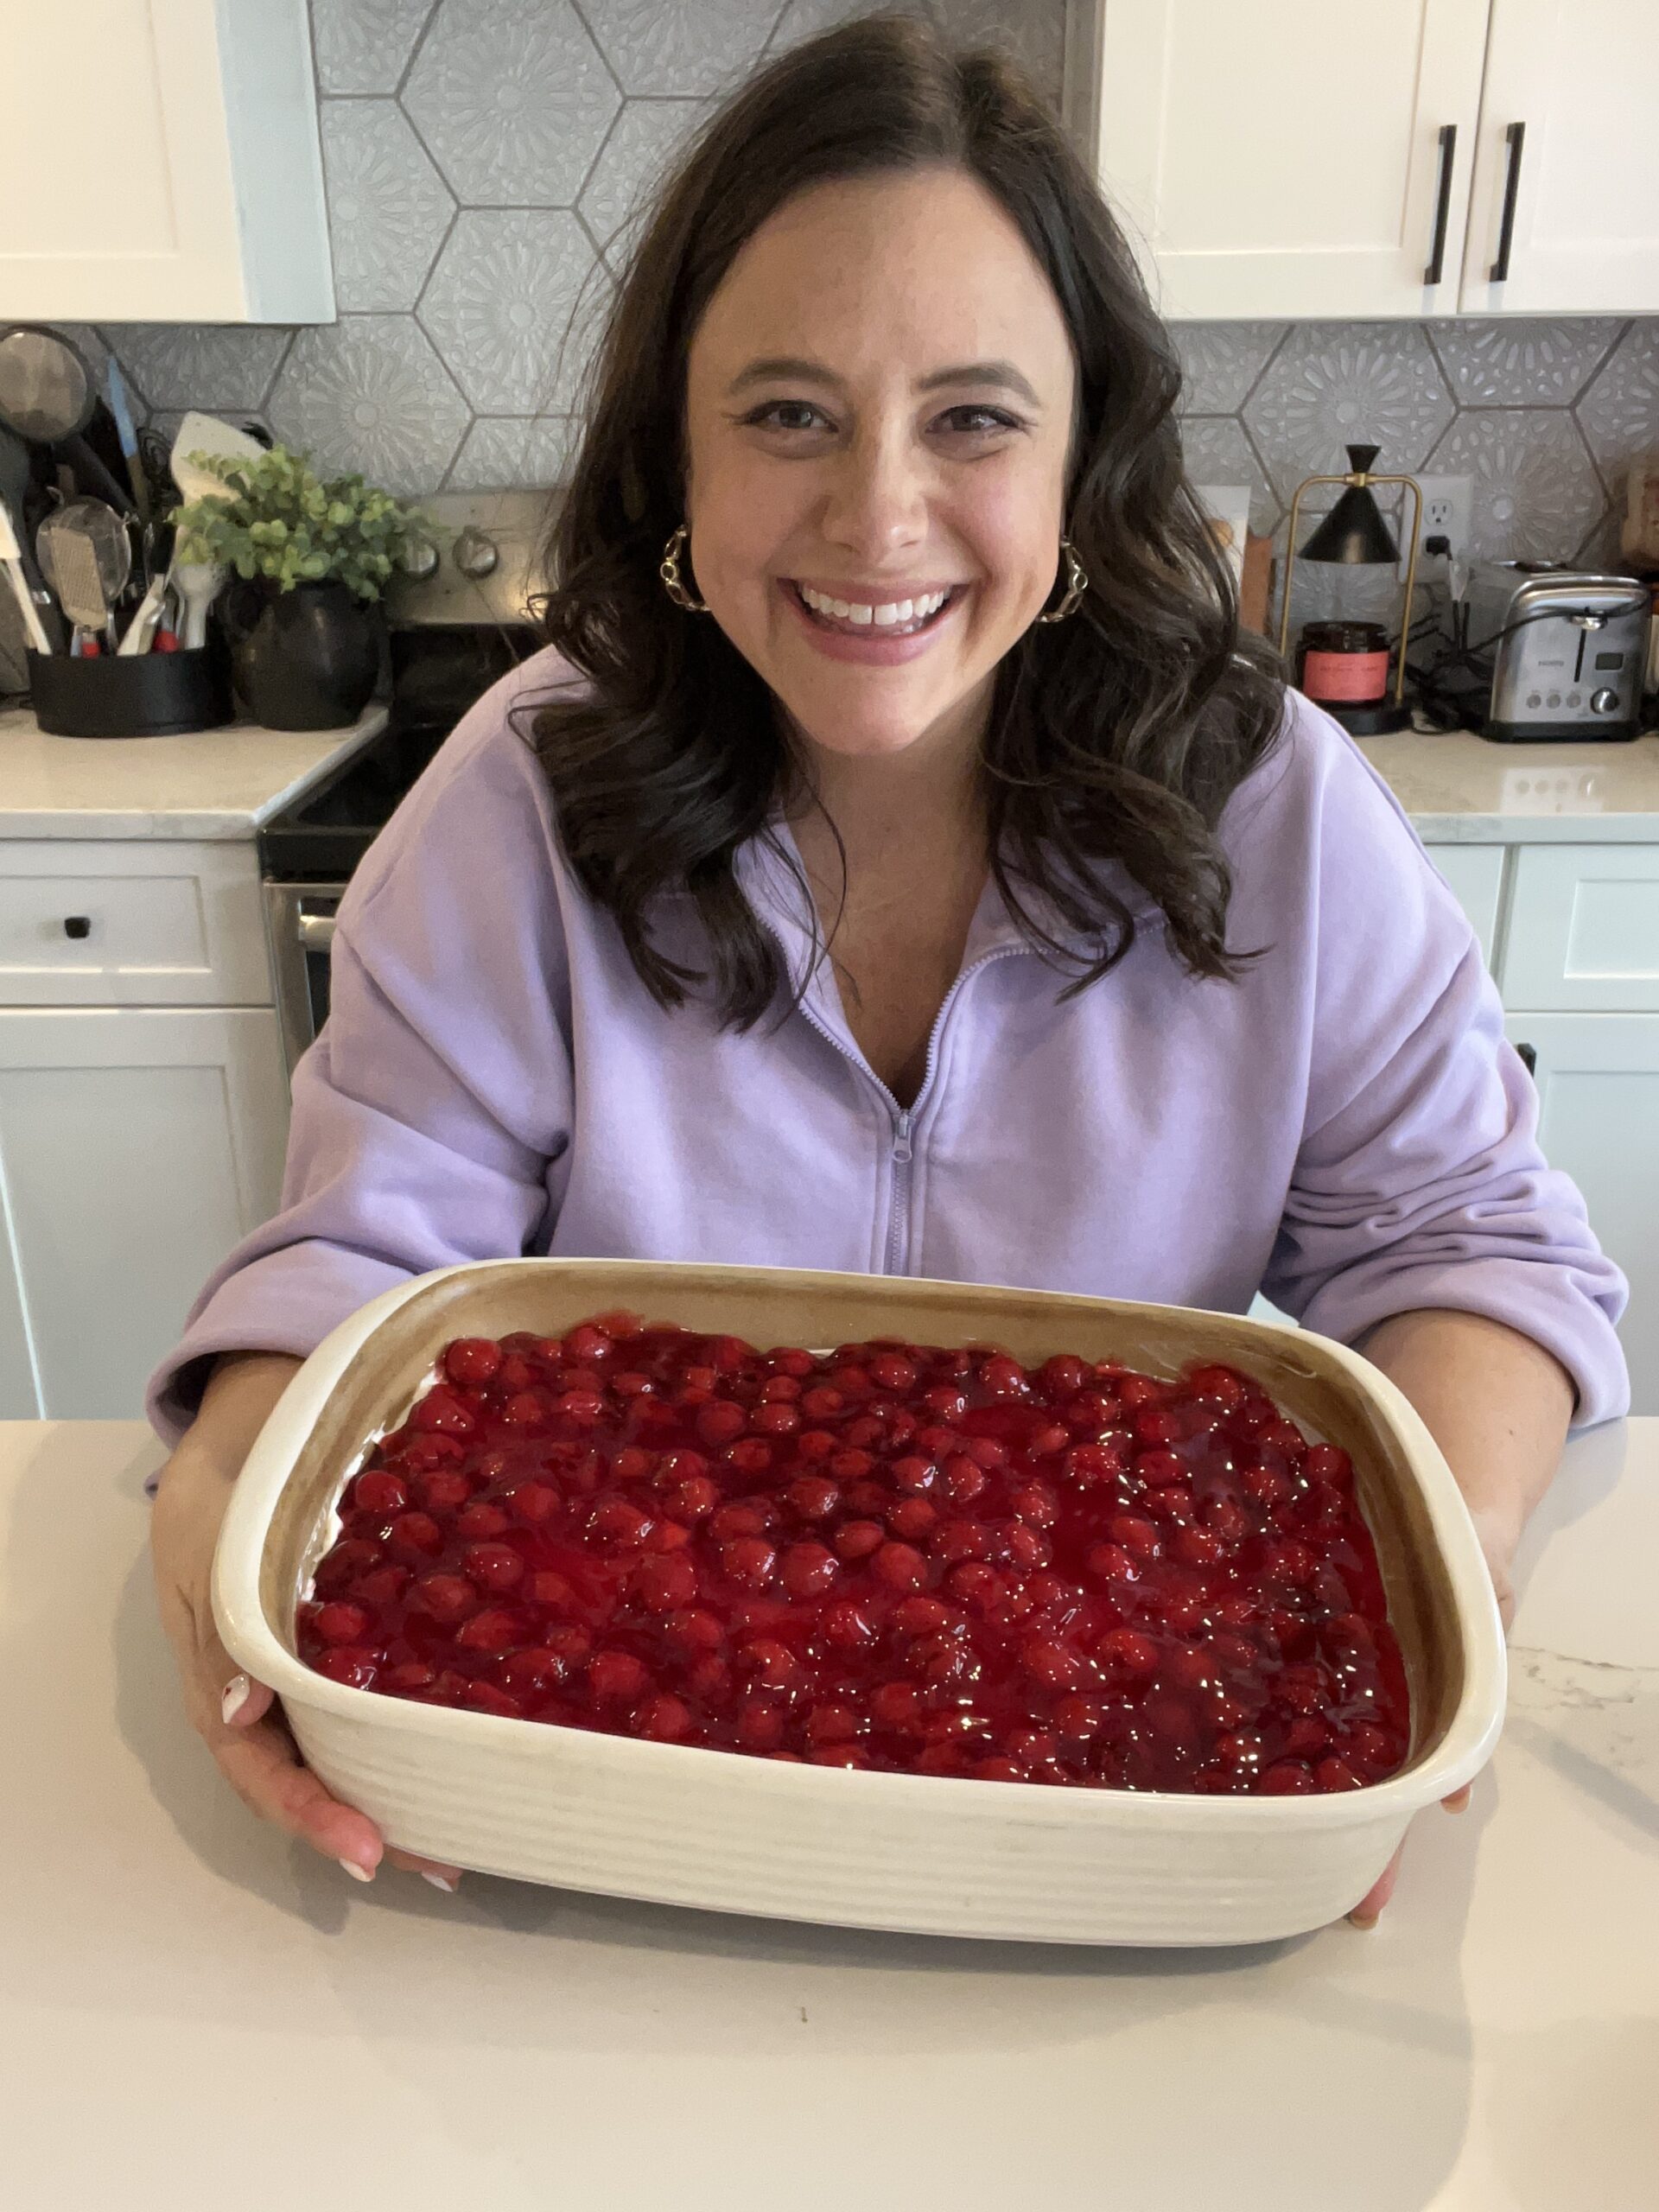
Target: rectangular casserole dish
[{"x": 928, "y": 1854}]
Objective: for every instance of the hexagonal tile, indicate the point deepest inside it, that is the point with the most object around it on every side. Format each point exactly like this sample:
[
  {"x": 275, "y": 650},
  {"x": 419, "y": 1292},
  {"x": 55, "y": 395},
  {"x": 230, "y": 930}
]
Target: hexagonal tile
[
  {"x": 519, "y": 452},
  {"x": 1519, "y": 362},
  {"x": 805, "y": 19},
  {"x": 212, "y": 366},
  {"x": 513, "y": 308},
  {"x": 1333, "y": 384},
  {"x": 643, "y": 141},
  {"x": 1536, "y": 491},
  {"x": 369, "y": 393},
  {"x": 388, "y": 208},
  {"x": 512, "y": 99},
  {"x": 1619, "y": 412},
  {"x": 364, "y": 46},
  {"x": 1033, "y": 34},
  {"x": 680, "y": 46},
  {"x": 1218, "y": 452},
  {"x": 1220, "y": 361}
]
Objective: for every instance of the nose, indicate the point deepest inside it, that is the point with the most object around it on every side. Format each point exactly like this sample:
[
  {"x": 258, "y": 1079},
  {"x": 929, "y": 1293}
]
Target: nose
[{"x": 876, "y": 501}]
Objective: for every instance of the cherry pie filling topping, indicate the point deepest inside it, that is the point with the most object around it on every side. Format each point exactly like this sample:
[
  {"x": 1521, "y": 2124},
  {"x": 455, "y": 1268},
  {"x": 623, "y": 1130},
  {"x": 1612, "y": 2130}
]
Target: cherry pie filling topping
[{"x": 892, "y": 1556}]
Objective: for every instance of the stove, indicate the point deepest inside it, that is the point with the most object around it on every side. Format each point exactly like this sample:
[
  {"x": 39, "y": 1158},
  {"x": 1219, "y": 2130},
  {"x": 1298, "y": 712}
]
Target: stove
[{"x": 459, "y": 617}]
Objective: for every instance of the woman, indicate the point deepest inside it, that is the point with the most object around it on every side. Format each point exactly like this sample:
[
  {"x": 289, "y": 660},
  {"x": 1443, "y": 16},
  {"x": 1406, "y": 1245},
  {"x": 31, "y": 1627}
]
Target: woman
[{"x": 884, "y": 622}]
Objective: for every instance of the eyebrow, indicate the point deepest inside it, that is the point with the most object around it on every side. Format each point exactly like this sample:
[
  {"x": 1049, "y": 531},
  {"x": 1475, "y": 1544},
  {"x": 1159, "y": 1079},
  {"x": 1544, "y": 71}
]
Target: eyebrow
[{"x": 1000, "y": 375}]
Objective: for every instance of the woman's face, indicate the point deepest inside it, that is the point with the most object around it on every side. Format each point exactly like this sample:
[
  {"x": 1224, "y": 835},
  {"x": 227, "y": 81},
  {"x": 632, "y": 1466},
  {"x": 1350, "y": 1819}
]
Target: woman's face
[{"x": 879, "y": 403}]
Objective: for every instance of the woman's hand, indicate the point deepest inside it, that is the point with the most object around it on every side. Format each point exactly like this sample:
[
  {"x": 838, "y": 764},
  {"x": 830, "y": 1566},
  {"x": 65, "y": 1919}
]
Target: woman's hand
[
  {"x": 238, "y": 1720},
  {"x": 1499, "y": 1532}
]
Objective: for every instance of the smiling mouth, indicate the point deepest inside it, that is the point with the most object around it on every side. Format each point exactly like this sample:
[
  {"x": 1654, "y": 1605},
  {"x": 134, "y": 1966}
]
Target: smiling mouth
[{"x": 904, "y": 617}]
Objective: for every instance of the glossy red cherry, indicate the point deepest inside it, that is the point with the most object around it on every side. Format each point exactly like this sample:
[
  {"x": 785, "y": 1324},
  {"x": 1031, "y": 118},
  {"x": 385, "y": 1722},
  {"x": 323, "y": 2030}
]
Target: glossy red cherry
[{"x": 928, "y": 1559}]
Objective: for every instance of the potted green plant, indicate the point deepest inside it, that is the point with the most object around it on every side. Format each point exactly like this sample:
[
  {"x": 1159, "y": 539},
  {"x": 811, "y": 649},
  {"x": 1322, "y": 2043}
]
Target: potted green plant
[{"x": 316, "y": 553}]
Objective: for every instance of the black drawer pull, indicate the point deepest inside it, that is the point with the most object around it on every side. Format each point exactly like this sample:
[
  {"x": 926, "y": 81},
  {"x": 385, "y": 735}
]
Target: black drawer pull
[
  {"x": 1528, "y": 1055},
  {"x": 76, "y": 925},
  {"x": 1516, "y": 137},
  {"x": 1436, "y": 268}
]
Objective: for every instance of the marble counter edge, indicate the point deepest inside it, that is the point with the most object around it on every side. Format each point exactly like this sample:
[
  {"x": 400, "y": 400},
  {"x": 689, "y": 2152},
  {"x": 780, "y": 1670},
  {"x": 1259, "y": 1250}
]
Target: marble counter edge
[{"x": 180, "y": 824}]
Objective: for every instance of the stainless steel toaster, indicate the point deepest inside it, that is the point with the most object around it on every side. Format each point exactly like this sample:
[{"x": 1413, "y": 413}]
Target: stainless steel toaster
[{"x": 1560, "y": 653}]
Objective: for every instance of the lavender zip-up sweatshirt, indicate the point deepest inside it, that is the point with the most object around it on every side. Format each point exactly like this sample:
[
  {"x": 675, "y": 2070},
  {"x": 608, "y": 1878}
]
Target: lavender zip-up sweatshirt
[{"x": 1344, "y": 1128}]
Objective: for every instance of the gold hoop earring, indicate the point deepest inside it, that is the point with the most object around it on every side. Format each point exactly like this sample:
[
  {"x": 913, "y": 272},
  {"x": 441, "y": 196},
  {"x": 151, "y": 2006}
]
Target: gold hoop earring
[
  {"x": 673, "y": 582},
  {"x": 1077, "y": 583}
]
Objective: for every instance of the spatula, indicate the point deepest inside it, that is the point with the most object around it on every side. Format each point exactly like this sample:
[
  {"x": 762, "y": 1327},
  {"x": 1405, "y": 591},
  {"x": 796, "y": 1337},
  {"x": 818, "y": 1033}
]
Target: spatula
[{"x": 208, "y": 434}]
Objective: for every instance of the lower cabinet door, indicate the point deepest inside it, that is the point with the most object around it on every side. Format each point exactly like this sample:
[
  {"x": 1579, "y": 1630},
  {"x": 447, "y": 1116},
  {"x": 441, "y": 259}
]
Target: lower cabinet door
[
  {"x": 1598, "y": 1078},
  {"x": 137, "y": 1147}
]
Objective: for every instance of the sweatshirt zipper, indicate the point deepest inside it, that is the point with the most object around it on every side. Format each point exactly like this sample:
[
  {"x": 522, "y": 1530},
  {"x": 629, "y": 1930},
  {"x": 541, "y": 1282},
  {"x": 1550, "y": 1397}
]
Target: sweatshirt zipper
[{"x": 901, "y": 1151}]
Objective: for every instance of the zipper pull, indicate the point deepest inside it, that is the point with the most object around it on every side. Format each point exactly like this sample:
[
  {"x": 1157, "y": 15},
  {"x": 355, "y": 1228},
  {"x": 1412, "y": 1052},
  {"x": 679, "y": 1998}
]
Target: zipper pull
[{"x": 901, "y": 1140}]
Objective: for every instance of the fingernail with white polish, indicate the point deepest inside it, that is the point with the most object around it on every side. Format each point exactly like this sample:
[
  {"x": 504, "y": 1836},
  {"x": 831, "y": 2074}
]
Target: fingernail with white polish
[
  {"x": 358, "y": 1873},
  {"x": 238, "y": 1691},
  {"x": 449, "y": 1884}
]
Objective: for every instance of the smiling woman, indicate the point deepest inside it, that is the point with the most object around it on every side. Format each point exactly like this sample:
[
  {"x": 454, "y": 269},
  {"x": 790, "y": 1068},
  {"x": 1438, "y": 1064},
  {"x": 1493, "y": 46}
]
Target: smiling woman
[
  {"x": 884, "y": 380},
  {"x": 884, "y": 626}
]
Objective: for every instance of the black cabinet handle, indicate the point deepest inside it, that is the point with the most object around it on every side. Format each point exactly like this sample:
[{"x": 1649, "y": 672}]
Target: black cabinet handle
[
  {"x": 1528, "y": 1055},
  {"x": 1500, "y": 269},
  {"x": 1443, "y": 203},
  {"x": 78, "y": 926}
]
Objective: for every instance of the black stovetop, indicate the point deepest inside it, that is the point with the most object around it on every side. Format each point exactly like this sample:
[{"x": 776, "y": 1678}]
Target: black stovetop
[{"x": 436, "y": 674}]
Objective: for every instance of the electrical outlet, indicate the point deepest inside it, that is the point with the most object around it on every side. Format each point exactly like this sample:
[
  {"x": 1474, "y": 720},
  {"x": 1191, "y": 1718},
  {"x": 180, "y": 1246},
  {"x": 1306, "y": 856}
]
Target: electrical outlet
[{"x": 1446, "y": 501}]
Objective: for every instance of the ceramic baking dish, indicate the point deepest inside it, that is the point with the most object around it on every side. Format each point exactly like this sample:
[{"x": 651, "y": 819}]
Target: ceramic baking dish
[{"x": 930, "y": 1854}]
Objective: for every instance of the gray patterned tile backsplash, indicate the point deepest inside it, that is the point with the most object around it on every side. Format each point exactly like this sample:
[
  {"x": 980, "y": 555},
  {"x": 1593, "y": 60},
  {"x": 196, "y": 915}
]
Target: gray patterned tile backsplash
[{"x": 483, "y": 160}]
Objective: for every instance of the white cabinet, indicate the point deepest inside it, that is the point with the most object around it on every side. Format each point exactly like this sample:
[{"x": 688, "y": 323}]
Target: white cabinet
[
  {"x": 1598, "y": 1078},
  {"x": 1474, "y": 875},
  {"x": 137, "y": 1147},
  {"x": 143, "y": 1118},
  {"x": 1584, "y": 933},
  {"x": 1294, "y": 158},
  {"x": 1569, "y": 115},
  {"x": 160, "y": 163},
  {"x": 119, "y": 924}
]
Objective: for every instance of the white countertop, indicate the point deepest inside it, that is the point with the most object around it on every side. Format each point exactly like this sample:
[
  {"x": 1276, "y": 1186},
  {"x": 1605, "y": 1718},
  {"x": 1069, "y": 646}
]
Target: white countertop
[
  {"x": 222, "y": 784},
  {"x": 194, "y": 2011},
  {"x": 1461, "y": 789},
  {"x": 217, "y": 785}
]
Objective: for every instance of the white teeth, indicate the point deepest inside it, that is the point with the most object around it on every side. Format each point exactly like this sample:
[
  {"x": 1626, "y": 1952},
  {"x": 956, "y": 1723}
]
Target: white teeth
[{"x": 891, "y": 614}]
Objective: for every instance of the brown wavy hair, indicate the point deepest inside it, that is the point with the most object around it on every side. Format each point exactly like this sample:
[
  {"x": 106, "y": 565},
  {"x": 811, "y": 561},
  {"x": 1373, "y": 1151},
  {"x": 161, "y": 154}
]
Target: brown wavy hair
[{"x": 1116, "y": 736}]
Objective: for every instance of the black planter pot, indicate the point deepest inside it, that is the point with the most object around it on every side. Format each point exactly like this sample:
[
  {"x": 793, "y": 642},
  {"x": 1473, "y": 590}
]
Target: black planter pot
[{"x": 309, "y": 658}]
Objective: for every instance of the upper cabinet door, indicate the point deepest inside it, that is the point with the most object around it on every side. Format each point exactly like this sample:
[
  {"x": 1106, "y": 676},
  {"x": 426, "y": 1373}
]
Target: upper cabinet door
[
  {"x": 1569, "y": 152},
  {"x": 1289, "y": 157},
  {"x": 161, "y": 164}
]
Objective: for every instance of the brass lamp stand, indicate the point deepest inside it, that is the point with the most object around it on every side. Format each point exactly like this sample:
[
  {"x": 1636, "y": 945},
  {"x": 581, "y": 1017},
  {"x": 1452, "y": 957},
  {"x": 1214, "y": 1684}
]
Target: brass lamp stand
[{"x": 1354, "y": 533}]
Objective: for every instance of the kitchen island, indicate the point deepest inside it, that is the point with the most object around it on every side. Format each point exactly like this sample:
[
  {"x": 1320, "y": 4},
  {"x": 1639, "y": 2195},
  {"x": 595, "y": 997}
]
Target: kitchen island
[{"x": 194, "y": 2011}]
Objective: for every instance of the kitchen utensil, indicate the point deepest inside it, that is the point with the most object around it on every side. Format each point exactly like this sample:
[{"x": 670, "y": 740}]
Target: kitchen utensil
[
  {"x": 929, "y": 1854},
  {"x": 136, "y": 639},
  {"x": 49, "y": 394},
  {"x": 18, "y": 583},
  {"x": 197, "y": 584},
  {"x": 208, "y": 434},
  {"x": 87, "y": 557},
  {"x": 15, "y": 489},
  {"x": 121, "y": 408}
]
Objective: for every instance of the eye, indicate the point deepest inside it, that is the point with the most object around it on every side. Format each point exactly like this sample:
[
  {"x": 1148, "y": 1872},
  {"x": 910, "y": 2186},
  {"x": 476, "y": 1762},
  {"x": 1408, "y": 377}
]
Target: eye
[
  {"x": 980, "y": 422},
  {"x": 772, "y": 414}
]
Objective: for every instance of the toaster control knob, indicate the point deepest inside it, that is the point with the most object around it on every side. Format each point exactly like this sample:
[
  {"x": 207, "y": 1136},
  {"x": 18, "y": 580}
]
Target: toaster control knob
[
  {"x": 1604, "y": 701},
  {"x": 475, "y": 554}
]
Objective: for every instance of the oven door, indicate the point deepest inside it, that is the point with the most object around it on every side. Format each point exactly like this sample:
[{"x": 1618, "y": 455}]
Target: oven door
[{"x": 299, "y": 921}]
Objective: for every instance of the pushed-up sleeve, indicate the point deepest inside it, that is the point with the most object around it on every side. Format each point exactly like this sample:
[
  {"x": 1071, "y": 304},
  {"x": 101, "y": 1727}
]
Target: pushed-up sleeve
[
  {"x": 1419, "y": 1181},
  {"x": 426, "y": 1114}
]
